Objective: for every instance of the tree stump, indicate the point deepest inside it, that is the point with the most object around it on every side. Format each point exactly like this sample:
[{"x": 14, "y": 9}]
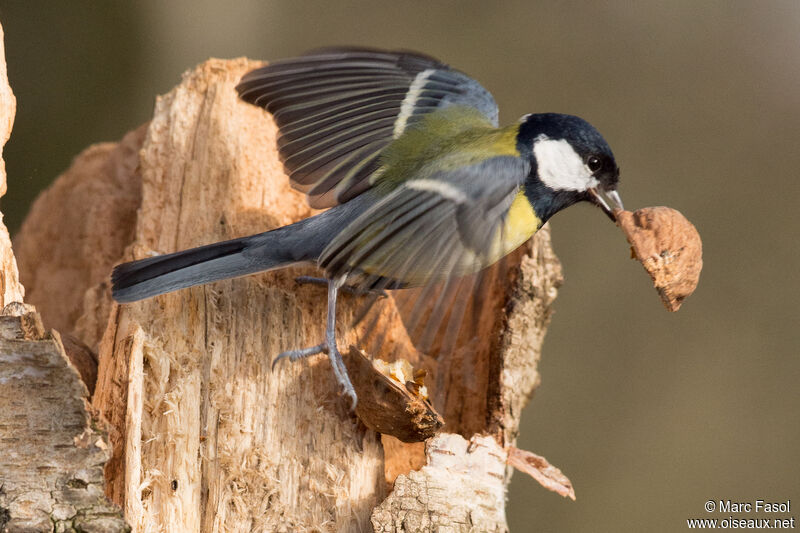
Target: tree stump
[{"x": 204, "y": 437}]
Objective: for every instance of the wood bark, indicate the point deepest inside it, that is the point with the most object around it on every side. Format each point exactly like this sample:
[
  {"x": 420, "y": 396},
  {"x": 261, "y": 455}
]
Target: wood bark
[
  {"x": 204, "y": 436},
  {"x": 52, "y": 448}
]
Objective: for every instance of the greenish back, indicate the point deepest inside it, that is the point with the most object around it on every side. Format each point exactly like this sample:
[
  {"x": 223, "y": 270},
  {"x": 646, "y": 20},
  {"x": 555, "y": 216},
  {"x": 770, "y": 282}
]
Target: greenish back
[{"x": 454, "y": 137}]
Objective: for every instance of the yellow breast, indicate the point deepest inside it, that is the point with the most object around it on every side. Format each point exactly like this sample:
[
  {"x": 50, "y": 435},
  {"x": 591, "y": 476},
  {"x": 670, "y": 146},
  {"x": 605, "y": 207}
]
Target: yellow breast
[{"x": 520, "y": 225}]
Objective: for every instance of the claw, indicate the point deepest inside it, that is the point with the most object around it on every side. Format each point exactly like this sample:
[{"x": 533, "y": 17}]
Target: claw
[{"x": 353, "y": 400}]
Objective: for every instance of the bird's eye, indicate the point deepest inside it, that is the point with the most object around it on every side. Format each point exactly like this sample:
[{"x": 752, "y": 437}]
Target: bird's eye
[{"x": 594, "y": 163}]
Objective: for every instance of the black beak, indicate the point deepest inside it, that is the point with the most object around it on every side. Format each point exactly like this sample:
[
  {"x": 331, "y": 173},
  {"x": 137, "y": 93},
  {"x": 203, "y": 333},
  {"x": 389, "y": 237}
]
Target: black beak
[{"x": 608, "y": 201}]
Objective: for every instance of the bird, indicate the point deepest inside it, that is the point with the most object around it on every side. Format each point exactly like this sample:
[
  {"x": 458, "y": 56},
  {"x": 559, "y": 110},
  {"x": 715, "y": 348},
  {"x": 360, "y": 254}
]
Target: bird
[{"x": 419, "y": 182}]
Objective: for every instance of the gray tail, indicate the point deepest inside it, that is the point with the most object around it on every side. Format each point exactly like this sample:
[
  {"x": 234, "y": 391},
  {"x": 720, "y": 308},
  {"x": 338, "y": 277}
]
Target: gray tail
[{"x": 229, "y": 259}]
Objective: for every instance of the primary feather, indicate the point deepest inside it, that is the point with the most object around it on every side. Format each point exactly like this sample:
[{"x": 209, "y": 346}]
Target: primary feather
[{"x": 338, "y": 109}]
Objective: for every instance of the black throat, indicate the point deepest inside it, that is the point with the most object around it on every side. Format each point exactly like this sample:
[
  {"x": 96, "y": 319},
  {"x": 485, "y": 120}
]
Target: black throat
[{"x": 547, "y": 202}]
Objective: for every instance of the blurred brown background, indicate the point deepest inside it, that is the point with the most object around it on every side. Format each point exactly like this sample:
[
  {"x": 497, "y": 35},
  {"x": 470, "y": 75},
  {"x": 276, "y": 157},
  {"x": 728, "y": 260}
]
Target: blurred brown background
[{"x": 649, "y": 413}]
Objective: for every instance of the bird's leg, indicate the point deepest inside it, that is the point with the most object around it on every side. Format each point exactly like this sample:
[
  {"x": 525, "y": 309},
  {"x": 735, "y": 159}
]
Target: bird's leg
[
  {"x": 349, "y": 289},
  {"x": 329, "y": 346},
  {"x": 337, "y": 363}
]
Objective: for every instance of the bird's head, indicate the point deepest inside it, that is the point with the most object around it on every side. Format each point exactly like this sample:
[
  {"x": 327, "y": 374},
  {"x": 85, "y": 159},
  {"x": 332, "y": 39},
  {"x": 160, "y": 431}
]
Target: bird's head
[{"x": 570, "y": 162}]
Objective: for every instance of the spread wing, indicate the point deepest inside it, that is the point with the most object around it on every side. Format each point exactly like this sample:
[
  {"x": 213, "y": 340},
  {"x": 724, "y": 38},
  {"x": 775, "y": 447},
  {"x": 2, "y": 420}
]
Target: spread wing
[
  {"x": 337, "y": 109},
  {"x": 445, "y": 224}
]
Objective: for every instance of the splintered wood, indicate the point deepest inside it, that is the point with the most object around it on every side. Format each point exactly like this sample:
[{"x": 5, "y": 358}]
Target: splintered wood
[
  {"x": 10, "y": 288},
  {"x": 461, "y": 488},
  {"x": 541, "y": 470},
  {"x": 388, "y": 405},
  {"x": 91, "y": 209},
  {"x": 669, "y": 248}
]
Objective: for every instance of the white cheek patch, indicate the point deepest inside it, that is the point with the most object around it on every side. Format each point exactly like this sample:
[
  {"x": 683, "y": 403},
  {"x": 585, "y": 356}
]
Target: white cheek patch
[{"x": 560, "y": 167}]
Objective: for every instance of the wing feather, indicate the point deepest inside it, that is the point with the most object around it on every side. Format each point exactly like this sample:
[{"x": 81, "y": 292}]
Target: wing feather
[
  {"x": 336, "y": 106},
  {"x": 428, "y": 230}
]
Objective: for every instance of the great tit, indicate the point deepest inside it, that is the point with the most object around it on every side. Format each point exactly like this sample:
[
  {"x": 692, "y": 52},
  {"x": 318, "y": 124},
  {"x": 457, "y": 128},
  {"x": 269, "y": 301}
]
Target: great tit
[{"x": 422, "y": 184}]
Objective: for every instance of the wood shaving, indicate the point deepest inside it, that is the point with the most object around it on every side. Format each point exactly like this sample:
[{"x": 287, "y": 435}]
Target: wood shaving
[
  {"x": 391, "y": 399},
  {"x": 542, "y": 471}
]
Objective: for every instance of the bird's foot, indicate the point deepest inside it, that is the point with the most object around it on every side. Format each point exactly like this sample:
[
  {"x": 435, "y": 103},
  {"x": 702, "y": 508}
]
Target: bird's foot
[
  {"x": 339, "y": 370},
  {"x": 294, "y": 355}
]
